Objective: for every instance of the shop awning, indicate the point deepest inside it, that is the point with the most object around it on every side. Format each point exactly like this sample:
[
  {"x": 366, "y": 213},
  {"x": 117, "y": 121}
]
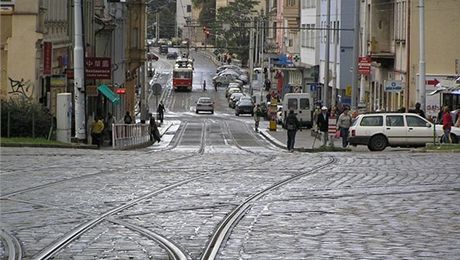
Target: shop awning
[{"x": 108, "y": 93}]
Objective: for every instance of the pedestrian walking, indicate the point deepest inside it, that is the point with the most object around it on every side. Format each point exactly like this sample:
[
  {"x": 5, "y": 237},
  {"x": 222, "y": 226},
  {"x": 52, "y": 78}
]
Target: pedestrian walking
[
  {"x": 204, "y": 85},
  {"x": 154, "y": 133},
  {"x": 110, "y": 121},
  {"x": 257, "y": 114},
  {"x": 161, "y": 111},
  {"x": 292, "y": 125},
  {"x": 96, "y": 131},
  {"x": 323, "y": 124},
  {"x": 446, "y": 125},
  {"x": 417, "y": 110},
  {"x": 343, "y": 124},
  {"x": 128, "y": 119}
]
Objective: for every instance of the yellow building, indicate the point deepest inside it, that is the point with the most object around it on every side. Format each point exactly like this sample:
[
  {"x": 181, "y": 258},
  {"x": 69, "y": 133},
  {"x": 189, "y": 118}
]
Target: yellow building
[{"x": 21, "y": 48}]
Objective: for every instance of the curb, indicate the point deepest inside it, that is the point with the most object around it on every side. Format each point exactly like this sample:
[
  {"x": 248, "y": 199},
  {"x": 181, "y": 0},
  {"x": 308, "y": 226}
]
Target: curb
[{"x": 72, "y": 146}]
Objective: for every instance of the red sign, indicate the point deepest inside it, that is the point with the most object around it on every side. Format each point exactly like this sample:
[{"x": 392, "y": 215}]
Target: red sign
[
  {"x": 121, "y": 91},
  {"x": 47, "y": 58},
  {"x": 433, "y": 82},
  {"x": 364, "y": 65},
  {"x": 98, "y": 68}
]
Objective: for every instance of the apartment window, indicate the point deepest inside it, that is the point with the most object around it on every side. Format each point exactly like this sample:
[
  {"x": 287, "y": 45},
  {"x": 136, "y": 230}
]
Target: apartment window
[
  {"x": 189, "y": 8},
  {"x": 304, "y": 35},
  {"x": 134, "y": 38},
  {"x": 290, "y": 3}
]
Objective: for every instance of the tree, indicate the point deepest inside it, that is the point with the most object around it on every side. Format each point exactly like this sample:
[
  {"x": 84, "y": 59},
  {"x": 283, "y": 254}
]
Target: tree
[
  {"x": 167, "y": 10},
  {"x": 236, "y": 18}
]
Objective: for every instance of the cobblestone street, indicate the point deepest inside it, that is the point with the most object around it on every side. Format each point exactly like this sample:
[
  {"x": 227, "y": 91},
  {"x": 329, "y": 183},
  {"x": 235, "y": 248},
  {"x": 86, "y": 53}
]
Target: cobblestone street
[{"x": 359, "y": 206}]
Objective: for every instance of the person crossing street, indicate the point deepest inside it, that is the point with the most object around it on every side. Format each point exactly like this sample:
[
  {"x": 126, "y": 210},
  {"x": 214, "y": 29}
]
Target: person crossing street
[{"x": 292, "y": 125}]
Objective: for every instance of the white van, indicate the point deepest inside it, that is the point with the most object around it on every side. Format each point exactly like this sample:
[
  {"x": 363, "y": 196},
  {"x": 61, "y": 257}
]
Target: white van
[{"x": 302, "y": 104}]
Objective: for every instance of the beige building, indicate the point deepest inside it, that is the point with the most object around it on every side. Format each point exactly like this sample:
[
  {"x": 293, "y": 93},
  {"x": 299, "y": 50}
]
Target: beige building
[
  {"x": 22, "y": 30},
  {"x": 393, "y": 45}
]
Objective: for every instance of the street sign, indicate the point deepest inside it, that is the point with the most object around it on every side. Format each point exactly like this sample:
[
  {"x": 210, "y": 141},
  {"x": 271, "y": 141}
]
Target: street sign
[
  {"x": 364, "y": 65},
  {"x": 394, "y": 86},
  {"x": 121, "y": 91},
  {"x": 156, "y": 89},
  {"x": 98, "y": 68},
  {"x": 348, "y": 90}
]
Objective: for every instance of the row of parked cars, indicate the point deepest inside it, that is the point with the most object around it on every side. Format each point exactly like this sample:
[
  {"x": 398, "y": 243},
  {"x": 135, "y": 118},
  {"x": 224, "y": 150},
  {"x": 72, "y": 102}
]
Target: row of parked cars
[{"x": 227, "y": 74}]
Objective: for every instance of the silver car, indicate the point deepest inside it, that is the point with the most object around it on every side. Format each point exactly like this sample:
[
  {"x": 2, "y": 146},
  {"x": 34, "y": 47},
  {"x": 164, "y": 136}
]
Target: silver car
[{"x": 204, "y": 104}]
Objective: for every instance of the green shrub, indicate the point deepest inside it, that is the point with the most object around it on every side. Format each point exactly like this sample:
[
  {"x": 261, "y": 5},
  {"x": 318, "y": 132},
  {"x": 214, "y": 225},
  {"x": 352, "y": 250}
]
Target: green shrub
[{"x": 26, "y": 119}]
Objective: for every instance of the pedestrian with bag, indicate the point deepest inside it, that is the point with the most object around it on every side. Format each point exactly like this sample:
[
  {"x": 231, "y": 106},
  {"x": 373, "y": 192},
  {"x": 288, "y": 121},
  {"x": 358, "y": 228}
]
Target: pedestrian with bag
[
  {"x": 292, "y": 125},
  {"x": 323, "y": 124},
  {"x": 343, "y": 124},
  {"x": 257, "y": 114}
]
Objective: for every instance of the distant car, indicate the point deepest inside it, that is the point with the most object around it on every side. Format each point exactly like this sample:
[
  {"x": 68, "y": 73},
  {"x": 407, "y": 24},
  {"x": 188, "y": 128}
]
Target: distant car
[
  {"x": 204, "y": 104},
  {"x": 163, "y": 49},
  {"x": 235, "y": 97},
  {"x": 380, "y": 130},
  {"x": 224, "y": 80},
  {"x": 171, "y": 55},
  {"x": 244, "y": 106},
  {"x": 152, "y": 56},
  {"x": 224, "y": 67},
  {"x": 230, "y": 91}
]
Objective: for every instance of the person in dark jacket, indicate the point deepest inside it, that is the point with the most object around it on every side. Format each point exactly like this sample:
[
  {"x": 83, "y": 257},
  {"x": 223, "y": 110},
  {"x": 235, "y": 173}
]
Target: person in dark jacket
[
  {"x": 161, "y": 111},
  {"x": 417, "y": 110},
  {"x": 323, "y": 124},
  {"x": 154, "y": 133},
  {"x": 292, "y": 125}
]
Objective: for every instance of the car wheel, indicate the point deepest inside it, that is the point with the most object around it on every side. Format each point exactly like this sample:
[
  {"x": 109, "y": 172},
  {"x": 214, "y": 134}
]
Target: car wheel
[
  {"x": 377, "y": 143},
  {"x": 236, "y": 114},
  {"x": 454, "y": 138},
  {"x": 212, "y": 112},
  {"x": 196, "y": 111}
]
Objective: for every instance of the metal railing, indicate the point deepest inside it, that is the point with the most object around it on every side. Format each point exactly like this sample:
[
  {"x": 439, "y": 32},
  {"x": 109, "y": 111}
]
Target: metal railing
[{"x": 126, "y": 136}]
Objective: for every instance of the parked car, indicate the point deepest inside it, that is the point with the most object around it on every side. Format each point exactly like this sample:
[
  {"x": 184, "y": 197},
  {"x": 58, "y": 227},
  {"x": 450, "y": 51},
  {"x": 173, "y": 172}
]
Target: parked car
[
  {"x": 230, "y": 91},
  {"x": 163, "y": 49},
  {"x": 380, "y": 130},
  {"x": 204, "y": 104},
  {"x": 172, "y": 55},
  {"x": 224, "y": 80},
  {"x": 224, "y": 67},
  {"x": 235, "y": 97},
  {"x": 244, "y": 106},
  {"x": 152, "y": 56}
]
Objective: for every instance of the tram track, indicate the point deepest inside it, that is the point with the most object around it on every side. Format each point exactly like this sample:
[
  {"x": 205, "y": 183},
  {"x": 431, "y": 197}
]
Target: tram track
[
  {"x": 229, "y": 222},
  {"x": 54, "y": 248}
]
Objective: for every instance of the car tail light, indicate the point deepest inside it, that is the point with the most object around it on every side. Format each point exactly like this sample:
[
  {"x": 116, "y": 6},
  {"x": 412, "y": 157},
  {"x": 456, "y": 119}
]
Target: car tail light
[{"x": 353, "y": 132}]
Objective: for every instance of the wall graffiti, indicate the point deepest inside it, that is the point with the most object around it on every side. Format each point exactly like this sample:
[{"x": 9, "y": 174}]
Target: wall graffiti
[{"x": 21, "y": 88}]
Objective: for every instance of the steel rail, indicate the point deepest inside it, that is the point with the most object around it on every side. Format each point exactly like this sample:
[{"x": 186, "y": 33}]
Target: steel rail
[
  {"x": 73, "y": 234},
  {"x": 235, "y": 215},
  {"x": 174, "y": 251},
  {"x": 13, "y": 245}
]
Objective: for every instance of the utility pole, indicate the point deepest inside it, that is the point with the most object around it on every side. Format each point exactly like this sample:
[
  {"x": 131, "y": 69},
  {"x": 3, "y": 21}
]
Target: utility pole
[
  {"x": 421, "y": 82},
  {"x": 251, "y": 56},
  {"x": 336, "y": 40},
  {"x": 362, "y": 86},
  {"x": 354, "y": 86},
  {"x": 143, "y": 98},
  {"x": 326, "y": 64},
  {"x": 157, "y": 32},
  {"x": 79, "y": 73}
]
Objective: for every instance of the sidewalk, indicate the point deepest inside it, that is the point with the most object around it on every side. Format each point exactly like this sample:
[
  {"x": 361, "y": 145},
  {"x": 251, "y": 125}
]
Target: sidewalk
[{"x": 304, "y": 141}]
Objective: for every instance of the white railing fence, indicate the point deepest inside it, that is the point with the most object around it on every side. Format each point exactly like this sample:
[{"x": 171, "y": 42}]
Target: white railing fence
[{"x": 126, "y": 136}]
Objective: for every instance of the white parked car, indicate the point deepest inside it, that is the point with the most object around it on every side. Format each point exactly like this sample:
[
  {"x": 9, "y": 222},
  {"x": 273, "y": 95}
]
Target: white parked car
[{"x": 380, "y": 130}]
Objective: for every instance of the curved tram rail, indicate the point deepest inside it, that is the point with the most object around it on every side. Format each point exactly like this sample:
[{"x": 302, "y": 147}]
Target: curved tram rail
[{"x": 223, "y": 230}]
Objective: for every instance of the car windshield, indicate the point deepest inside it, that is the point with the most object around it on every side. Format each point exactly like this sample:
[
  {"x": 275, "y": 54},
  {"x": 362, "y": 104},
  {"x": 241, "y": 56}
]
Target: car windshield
[
  {"x": 204, "y": 100},
  {"x": 245, "y": 102}
]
